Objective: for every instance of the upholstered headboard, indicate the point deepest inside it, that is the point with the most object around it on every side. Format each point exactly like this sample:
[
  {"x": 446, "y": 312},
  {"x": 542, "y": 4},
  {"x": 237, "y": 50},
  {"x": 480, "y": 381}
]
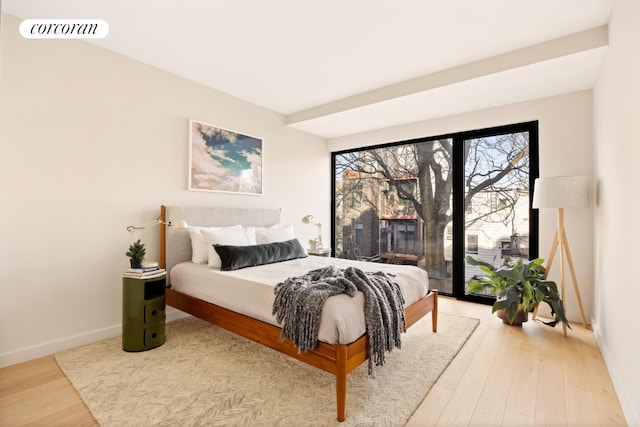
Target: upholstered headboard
[{"x": 176, "y": 244}]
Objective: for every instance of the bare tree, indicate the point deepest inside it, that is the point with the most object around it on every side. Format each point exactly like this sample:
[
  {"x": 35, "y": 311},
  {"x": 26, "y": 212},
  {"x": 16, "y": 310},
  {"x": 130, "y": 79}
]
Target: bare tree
[
  {"x": 495, "y": 164},
  {"x": 498, "y": 166}
]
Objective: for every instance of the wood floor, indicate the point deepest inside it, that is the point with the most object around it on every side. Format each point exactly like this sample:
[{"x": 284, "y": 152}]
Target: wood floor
[
  {"x": 503, "y": 376},
  {"x": 529, "y": 376}
]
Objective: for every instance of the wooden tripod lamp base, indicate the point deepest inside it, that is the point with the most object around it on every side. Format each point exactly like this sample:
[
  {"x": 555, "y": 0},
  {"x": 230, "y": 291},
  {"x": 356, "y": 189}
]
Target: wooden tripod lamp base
[
  {"x": 560, "y": 241},
  {"x": 562, "y": 192}
]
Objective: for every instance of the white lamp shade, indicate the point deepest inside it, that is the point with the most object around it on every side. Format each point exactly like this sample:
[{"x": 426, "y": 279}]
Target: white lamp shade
[
  {"x": 179, "y": 223},
  {"x": 561, "y": 192}
]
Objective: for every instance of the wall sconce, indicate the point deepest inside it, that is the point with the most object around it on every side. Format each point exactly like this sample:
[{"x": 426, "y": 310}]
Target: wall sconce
[
  {"x": 178, "y": 223},
  {"x": 309, "y": 220}
]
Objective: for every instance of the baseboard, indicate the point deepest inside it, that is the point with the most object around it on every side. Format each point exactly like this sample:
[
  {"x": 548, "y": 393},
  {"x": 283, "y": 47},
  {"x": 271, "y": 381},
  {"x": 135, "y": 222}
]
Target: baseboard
[
  {"x": 53, "y": 347},
  {"x": 629, "y": 408}
]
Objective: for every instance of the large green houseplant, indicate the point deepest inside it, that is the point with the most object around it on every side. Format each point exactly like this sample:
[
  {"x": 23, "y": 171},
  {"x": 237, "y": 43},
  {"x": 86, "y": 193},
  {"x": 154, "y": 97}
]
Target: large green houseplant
[{"x": 519, "y": 285}]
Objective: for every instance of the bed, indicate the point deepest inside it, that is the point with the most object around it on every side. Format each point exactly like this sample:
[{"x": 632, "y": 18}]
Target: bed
[{"x": 339, "y": 351}]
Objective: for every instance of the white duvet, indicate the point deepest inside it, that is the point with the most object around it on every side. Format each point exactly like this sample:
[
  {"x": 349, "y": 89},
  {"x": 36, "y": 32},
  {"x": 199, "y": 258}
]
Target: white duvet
[{"x": 249, "y": 291}]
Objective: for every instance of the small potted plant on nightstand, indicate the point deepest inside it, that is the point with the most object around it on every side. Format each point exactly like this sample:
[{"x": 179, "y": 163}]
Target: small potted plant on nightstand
[
  {"x": 519, "y": 286},
  {"x": 136, "y": 252},
  {"x": 313, "y": 244}
]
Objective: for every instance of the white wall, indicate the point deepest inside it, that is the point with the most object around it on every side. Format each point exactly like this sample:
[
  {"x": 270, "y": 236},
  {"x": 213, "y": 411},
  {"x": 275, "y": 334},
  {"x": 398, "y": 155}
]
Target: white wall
[
  {"x": 565, "y": 138},
  {"x": 92, "y": 142},
  {"x": 616, "y": 157}
]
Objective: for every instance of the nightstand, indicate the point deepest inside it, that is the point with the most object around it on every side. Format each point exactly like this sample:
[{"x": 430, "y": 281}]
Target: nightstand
[
  {"x": 320, "y": 252},
  {"x": 143, "y": 313}
]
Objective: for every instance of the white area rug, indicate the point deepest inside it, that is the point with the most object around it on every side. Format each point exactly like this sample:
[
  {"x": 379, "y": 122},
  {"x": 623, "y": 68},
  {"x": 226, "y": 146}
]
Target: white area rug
[{"x": 204, "y": 375}]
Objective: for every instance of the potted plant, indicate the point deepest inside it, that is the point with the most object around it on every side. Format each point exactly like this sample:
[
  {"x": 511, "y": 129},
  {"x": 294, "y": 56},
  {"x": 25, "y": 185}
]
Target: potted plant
[
  {"x": 136, "y": 252},
  {"x": 519, "y": 285},
  {"x": 313, "y": 244}
]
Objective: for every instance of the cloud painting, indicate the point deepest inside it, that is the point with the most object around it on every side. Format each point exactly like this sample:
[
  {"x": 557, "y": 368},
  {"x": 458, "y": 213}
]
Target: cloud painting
[{"x": 223, "y": 160}]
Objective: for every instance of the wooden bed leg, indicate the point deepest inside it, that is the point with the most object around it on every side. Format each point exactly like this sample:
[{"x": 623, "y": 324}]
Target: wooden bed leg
[
  {"x": 434, "y": 312},
  {"x": 341, "y": 380}
]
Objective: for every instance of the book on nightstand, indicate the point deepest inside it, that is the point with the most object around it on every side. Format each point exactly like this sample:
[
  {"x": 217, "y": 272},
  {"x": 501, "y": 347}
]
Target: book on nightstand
[
  {"x": 144, "y": 273},
  {"x": 319, "y": 251},
  {"x": 143, "y": 269}
]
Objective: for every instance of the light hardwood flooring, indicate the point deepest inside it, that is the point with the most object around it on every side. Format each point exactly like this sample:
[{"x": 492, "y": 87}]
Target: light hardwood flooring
[
  {"x": 530, "y": 376},
  {"x": 37, "y": 393},
  {"x": 503, "y": 376}
]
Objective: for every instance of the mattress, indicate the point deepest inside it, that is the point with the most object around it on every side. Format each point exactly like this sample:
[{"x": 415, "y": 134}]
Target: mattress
[{"x": 250, "y": 291}]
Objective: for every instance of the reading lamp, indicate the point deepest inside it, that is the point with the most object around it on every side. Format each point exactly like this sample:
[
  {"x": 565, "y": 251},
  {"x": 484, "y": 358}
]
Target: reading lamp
[
  {"x": 179, "y": 223},
  {"x": 309, "y": 220},
  {"x": 562, "y": 192}
]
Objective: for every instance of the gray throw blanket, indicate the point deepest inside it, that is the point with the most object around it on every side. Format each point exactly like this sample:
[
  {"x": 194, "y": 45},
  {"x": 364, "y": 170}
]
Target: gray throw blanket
[{"x": 299, "y": 301}]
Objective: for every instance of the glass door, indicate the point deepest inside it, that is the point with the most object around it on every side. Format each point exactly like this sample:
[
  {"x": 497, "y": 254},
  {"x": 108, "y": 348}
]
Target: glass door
[
  {"x": 430, "y": 202},
  {"x": 393, "y": 205},
  {"x": 496, "y": 214}
]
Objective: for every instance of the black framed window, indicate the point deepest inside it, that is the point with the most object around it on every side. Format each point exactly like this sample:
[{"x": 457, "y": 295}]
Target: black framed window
[{"x": 429, "y": 201}]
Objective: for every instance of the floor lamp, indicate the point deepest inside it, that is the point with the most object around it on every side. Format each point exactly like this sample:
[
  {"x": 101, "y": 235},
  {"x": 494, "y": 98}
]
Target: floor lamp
[{"x": 562, "y": 192}]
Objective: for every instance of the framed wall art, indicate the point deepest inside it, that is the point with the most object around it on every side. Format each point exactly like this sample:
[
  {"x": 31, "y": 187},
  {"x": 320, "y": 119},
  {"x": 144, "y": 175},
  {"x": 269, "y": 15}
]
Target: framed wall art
[{"x": 223, "y": 160}]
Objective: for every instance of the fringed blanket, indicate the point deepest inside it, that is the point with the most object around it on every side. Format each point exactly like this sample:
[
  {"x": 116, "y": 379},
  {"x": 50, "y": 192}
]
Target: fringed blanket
[{"x": 299, "y": 301}]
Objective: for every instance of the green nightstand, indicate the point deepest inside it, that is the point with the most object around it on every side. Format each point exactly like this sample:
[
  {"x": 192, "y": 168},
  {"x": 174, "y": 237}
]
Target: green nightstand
[{"x": 143, "y": 313}]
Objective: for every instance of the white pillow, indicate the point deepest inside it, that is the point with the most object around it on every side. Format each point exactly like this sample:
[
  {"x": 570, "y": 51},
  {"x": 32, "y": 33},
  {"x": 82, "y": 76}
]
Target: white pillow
[
  {"x": 199, "y": 252},
  {"x": 237, "y": 236},
  {"x": 277, "y": 233},
  {"x": 251, "y": 234}
]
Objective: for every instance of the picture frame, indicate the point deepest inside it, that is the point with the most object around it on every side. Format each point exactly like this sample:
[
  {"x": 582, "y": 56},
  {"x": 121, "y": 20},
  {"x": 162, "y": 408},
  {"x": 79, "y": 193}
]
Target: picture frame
[{"x": 223, "y": 160}]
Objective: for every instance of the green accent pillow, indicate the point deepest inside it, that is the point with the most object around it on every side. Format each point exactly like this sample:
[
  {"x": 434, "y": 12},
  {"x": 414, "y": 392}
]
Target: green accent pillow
[{"x": 237, "y": 257}]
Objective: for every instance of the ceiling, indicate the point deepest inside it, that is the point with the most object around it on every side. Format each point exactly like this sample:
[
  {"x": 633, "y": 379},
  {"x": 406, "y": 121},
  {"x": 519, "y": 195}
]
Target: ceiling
[{"x": 339, "y": 67}]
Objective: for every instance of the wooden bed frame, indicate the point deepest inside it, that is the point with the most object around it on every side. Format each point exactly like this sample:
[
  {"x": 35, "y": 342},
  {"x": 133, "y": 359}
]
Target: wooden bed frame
[{"x": 338, "y": 359}]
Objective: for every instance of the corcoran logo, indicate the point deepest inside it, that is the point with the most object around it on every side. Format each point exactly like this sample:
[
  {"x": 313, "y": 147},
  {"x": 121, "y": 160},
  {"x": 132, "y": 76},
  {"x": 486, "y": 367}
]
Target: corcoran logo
[{"x": 64, "y": 29}]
